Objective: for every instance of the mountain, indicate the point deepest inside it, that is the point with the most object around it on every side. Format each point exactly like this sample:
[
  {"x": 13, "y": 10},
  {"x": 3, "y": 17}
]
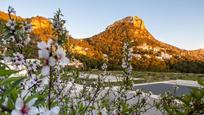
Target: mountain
[{"x": 148, "y": 52}]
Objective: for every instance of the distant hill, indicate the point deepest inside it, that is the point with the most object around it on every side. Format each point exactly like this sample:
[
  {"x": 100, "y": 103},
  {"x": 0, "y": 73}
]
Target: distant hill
[{"x": 148, "y": 52}]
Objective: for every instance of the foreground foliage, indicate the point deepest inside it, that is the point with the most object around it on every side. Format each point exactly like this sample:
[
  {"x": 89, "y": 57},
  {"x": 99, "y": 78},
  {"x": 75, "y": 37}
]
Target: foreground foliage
[{"x": 190, "y": 104}]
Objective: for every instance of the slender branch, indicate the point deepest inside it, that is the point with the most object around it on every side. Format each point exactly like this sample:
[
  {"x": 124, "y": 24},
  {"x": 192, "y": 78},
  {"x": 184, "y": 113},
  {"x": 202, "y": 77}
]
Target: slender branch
[
  {"x": 49, "y": 93},
  {"x": 94, "y": 96}
]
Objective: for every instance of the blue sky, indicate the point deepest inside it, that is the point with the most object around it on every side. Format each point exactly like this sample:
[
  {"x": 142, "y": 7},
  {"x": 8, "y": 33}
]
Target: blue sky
[{"x": 176, "y": 22}]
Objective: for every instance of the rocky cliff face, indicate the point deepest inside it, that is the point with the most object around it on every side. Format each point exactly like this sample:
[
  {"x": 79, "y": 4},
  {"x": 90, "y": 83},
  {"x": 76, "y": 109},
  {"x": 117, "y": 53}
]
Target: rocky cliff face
[{"x": 42, "y": 27}]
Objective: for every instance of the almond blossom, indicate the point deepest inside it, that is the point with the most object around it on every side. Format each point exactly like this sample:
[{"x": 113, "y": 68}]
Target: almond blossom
[
  {"x": 44, "y": 45},
  {"x": 23, "y": 108},
  {"x": 18, "y": 59},
  {"x": 61, "y": 57},
  {"x": 104, "y": 66},
  {"x": 11, "y": 24},
  {"x": 32, "y": 64},
  {"x": 46, "y": 67},
  {"x": 126, "y": 61},
  {"x": 27, "y": 27},
  {"x": 33, "y": 80},
  {"x": 44, "y": 53}
]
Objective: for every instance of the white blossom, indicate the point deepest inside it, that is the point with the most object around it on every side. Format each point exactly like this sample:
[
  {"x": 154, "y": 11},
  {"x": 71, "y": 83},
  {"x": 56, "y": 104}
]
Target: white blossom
[
  {"x": 104, "y": 66},
  {"x": 61, "y": 57},
  {"x": 53, "y": 111},
  {"x": 11, "y": 38},
  {"x": 43, "y": 45},
  {"x": 44, "y": 53},
  {"x": 4, "y": 41},
  {"x": 42, "y": 83},
  {"x": 33, "y": 80},
  {"x": 11, "y": 24},
  {"x": 23, "y": 108},
  {"x": 126, "y": 61},
  {"x": 27, "y": 27},
  {"x": 32, "y": 65},
  {"x": 46, "y": 67},
  {"x": 18, "y": 59},
  {"x": 24, "y": 94}
]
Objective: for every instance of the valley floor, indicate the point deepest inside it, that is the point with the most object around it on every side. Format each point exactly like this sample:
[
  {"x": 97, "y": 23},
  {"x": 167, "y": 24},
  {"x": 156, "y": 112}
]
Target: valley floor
[
  {"x": 143, "y": 76},
  {"x": 156, "y": 82}
]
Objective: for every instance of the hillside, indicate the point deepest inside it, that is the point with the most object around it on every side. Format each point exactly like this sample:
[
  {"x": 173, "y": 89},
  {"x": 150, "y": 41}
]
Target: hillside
[{"x": 148, "y": 52}]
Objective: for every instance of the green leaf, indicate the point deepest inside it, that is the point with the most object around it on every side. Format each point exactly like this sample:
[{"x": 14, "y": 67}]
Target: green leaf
[
  {"x": 11, "y": 102},
  {"x": 7, "y": 72},
  {"x": 11, "y": 79},
  {"x": 40, "y": 99},
  {"x": 13, "y": 86}
]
